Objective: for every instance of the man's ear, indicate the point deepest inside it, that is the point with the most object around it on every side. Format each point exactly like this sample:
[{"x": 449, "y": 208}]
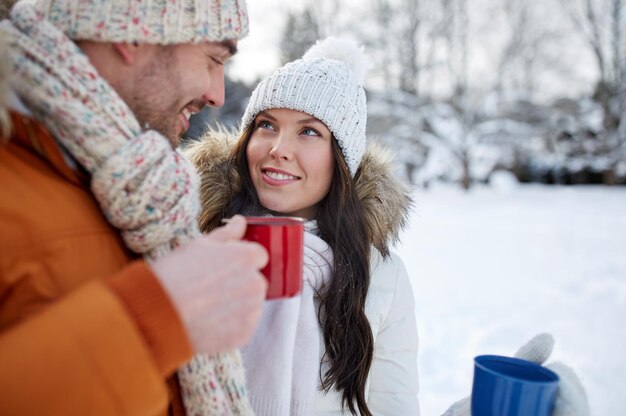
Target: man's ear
[{"x": 127, "y": 51}]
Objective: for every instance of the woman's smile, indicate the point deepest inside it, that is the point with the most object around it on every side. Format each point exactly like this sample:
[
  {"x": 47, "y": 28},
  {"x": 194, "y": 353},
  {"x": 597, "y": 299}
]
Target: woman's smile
[{"x": 277, "y": 177}]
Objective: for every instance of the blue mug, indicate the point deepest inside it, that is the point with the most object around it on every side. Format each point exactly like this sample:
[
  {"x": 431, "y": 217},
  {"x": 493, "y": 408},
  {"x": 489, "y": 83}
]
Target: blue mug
[{"x": 505, "y": 386}]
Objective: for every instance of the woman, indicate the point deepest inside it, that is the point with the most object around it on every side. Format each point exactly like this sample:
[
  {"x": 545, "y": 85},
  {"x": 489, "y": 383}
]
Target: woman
[{"x": 348, "y": 344}]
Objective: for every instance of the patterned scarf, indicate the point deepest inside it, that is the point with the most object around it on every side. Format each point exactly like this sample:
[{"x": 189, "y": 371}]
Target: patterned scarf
[{"x": 145, "y": 189}]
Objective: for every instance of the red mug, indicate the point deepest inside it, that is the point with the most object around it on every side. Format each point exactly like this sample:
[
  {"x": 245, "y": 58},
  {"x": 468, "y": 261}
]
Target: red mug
[{"x": 283, "y": 238}]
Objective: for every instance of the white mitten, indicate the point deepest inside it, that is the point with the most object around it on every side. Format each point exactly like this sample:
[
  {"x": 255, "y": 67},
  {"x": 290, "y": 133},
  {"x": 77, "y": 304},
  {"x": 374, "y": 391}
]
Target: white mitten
[
  {"x": 460, "y": 408},
  {"x": 571, "y": 399}
]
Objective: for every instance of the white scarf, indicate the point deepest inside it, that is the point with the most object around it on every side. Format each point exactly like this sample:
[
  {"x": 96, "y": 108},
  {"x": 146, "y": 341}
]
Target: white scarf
[
  {"x": 145, "y": 189},
  {"x": 282, "y": 360}
]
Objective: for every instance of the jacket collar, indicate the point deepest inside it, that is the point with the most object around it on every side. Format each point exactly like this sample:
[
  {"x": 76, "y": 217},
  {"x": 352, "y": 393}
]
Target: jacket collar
[{"x": 28, "y": 133}]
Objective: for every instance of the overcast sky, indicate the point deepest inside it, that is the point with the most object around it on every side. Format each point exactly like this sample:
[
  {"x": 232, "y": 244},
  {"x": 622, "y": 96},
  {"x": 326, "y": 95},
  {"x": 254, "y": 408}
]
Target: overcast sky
[{"x": 258, "y": 53}]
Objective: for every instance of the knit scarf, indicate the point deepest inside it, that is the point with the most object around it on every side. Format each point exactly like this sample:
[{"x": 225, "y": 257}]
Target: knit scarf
[
  {"x": 283, "y": 358},
  {"x": 145, "y": 189}
]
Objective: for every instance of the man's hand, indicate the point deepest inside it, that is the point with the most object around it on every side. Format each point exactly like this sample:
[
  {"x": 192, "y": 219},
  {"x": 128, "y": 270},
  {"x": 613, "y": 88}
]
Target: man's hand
[{"x": 215, "y": 284}]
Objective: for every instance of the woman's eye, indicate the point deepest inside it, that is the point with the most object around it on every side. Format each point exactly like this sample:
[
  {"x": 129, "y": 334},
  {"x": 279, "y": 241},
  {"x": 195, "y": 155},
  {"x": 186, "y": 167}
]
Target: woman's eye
[
  {"x": 263, "y": 124},
  {"x": 310, "y": 132}
]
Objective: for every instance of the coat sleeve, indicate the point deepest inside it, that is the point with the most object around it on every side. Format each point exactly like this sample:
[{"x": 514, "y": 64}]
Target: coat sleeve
[
  {"x": 91, "y": 353},
  {"x": 393, "y": 376}
]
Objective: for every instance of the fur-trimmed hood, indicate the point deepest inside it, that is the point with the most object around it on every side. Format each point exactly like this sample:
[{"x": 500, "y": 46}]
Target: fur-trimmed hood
[{"x": 385, "y": 198}]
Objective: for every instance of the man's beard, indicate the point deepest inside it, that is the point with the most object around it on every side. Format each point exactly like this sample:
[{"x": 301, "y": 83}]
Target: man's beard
[{"x": 164, "y": 121}]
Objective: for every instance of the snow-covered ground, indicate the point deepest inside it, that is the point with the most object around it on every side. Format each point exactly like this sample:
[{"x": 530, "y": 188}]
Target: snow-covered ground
[{"x": 493, "y": 267}]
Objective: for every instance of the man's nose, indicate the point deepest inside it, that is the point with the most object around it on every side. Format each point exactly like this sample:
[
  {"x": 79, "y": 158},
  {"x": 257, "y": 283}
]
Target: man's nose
[{"x": 214, "y": 96}]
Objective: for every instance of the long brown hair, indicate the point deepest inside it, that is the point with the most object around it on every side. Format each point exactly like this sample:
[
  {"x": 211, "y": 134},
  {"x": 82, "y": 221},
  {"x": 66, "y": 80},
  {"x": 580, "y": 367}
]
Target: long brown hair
[{"x": 341, "y": 222}]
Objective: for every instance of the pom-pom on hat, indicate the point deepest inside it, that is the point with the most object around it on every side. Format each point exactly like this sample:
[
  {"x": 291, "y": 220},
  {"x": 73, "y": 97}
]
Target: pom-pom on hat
[
  {"x": 160, "y": 22},
  {"x": 327, "y": 83}
]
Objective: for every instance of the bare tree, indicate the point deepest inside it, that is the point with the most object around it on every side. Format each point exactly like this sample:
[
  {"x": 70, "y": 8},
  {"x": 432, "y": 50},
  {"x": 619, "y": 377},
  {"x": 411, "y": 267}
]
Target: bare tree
[
  {"x": 515, "y": 51},
  {"x": 456, "y": 38},
  {"x": 587, "y": 22},
  {"x": 380, "y": 41},
  {"x": 618, "y": 11},
  {"x": 618, "y": 38},
  {"x": 394, "y": 38},
  {"x": 301, "y": 31},
  {"x": 329, "y": 15},
  {"x": 446, "y": 42},
  {"x": 408, "y": 43},
  {"x": 602, "y": 24}
]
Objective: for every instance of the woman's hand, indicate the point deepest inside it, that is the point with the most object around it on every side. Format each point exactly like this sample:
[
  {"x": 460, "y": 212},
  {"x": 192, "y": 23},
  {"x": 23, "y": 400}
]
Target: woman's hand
[{"x": 571, "y": 399}]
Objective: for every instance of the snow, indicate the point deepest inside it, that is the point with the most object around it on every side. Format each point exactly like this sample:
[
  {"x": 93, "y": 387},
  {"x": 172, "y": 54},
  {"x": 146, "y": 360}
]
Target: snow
[
  {"x": 503, "y": 181},
  {"x": 491, "y": 269}
]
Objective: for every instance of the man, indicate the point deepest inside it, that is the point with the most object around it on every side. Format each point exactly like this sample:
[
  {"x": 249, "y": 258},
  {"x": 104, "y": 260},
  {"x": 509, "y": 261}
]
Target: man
[{"x": 99, "y": 93}]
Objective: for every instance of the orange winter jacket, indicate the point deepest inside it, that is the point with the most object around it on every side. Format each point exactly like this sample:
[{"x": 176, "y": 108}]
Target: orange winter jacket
[{"x": 85, "y": 329}]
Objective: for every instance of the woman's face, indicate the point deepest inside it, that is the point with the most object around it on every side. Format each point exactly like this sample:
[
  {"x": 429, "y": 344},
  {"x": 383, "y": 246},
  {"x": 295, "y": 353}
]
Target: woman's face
[{"x": 291, "y": 161}]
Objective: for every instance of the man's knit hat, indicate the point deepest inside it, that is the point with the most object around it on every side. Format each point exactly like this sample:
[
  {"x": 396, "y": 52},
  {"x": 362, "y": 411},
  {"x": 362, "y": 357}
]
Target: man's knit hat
[
  {"x": 327, "y": 83},
  {"x": 149, "y": 21}
]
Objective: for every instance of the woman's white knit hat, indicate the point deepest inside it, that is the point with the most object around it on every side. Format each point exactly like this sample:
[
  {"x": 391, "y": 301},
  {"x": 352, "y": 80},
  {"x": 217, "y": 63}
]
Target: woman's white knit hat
[
  {"x": 149, "y": 21},
  {"x": 327, "y": 83}
]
